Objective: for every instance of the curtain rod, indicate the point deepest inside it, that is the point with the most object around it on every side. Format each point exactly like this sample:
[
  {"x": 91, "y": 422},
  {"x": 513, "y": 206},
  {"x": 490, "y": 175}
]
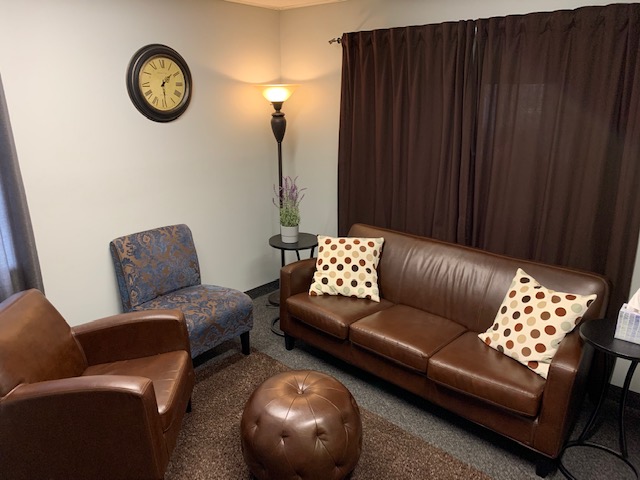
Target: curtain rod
[{"x": 337, "y": 40}]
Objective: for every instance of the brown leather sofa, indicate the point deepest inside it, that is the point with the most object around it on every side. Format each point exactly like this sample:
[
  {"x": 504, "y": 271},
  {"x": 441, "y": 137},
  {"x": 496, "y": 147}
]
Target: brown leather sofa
[
  {"x": 101, "y": 400},
  {"x": 423, "y": 335}
]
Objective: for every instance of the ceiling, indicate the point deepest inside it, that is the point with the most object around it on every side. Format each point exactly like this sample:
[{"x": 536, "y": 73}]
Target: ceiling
[{"x": 283, "y": 4}]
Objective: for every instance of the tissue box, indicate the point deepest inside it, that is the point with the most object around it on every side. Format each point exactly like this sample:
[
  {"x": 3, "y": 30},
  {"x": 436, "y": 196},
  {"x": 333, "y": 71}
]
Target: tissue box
[{"x": 628, "y": 325}]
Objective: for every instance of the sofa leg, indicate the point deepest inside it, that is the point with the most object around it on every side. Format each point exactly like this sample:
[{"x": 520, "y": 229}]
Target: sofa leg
[
  {"x": 545, "y": 466},
  {"x": 189, "y": 406},
  {"x": 289, "y": 342},
  {"x": 244, "y": 340}
]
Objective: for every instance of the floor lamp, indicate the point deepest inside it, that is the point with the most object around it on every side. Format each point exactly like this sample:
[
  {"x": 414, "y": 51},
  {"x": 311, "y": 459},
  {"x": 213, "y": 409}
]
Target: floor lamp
[{"x": 277, "y": 94}]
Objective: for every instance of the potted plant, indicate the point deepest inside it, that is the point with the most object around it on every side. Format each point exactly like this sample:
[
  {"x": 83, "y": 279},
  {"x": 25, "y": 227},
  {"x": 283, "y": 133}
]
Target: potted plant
[{"x": 287, "y": 199}]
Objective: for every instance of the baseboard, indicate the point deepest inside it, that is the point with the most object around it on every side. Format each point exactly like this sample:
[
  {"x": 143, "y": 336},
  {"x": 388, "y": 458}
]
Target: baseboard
[{"x": 263, "y": 289}]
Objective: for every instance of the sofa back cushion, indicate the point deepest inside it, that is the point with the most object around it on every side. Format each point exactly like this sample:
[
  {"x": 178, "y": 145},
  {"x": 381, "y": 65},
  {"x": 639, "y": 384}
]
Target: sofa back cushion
[
  {"x": 464, "y": 284},
  {"x": 36, "y": 343},
  {"x": 153, "y": 263}
]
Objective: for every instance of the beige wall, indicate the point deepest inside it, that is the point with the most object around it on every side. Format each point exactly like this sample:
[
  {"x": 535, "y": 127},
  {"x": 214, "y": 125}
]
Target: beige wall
[{"x": 94, "y": 168}]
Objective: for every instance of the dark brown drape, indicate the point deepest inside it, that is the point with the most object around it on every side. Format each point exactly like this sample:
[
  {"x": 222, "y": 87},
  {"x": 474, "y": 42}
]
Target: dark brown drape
[
  {"x": 517, "y": 134},
  {"x": 402, "y": 130},
  {"x": 557, "y": 160},
  {"x": 19, "y": 266}
]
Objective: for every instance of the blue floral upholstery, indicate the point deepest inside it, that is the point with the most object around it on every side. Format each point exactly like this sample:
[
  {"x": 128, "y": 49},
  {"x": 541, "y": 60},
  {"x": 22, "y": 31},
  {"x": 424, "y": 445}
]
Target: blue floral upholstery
[{"x": 159, "y": 269}]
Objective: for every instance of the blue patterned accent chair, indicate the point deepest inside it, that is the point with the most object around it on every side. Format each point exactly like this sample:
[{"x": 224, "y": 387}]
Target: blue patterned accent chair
[{"x": 159, "y": 269}]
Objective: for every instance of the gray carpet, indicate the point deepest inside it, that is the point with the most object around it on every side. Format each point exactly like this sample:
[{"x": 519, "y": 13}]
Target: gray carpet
[{"x": 488, "y": 452}]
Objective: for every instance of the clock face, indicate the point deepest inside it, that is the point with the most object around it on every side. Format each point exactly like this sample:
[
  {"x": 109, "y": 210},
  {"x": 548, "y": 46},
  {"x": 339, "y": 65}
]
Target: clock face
[{"x": 159, "y": 83}]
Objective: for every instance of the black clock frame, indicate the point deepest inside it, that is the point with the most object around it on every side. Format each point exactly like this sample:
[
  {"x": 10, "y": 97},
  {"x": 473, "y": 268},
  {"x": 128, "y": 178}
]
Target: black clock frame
[{"x": 137, "y": 96}]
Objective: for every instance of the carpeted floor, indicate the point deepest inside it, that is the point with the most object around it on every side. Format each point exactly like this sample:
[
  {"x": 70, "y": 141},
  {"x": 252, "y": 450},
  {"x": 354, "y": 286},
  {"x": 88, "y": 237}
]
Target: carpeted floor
[
  {"x": 209, "y": 443},
  {"x": 497, "y": 457}
]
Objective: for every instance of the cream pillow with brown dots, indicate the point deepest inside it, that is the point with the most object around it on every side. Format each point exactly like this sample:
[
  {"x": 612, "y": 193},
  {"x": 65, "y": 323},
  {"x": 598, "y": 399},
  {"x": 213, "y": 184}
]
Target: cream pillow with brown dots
[
  {"x": 347, "y": 266},
  {"x": 533, "y": 320}
]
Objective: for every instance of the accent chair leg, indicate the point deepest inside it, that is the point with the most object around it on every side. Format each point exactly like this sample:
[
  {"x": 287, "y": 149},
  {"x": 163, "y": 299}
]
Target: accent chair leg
[
  {"x": 244, "y": 340},
  {"x": 289, "y": 342}
]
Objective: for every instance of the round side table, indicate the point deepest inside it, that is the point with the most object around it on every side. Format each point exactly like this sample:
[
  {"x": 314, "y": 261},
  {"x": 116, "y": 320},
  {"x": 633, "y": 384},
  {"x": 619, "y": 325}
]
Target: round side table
[
  {"x": 599, "y": 334},
  {"x": 305, "y": 241}
]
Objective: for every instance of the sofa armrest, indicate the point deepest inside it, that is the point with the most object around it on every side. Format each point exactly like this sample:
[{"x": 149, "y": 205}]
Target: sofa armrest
[
  {"x": 296, "y": 278},
  {"x": 563, "y": 392},
  {"x": 133, "y": 335},
  {"x": 86, "y": 427}
]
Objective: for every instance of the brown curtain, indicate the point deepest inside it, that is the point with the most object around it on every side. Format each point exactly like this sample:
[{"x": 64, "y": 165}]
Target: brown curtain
[
  {"x": 557, "y": 154},
  {"x": 517, "y": 134},
  {"x": 19, "y": 266},
  {"x": 402, "y": 130}
]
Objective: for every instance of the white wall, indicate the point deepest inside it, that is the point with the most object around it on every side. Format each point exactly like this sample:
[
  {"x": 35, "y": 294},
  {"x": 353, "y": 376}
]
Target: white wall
[
  {"x": 308, "y": 58},
  {"x": 94, "y": 168}
]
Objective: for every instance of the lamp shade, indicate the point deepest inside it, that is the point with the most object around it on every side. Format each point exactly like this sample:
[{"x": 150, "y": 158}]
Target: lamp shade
[{"x": 277, "y": 92}]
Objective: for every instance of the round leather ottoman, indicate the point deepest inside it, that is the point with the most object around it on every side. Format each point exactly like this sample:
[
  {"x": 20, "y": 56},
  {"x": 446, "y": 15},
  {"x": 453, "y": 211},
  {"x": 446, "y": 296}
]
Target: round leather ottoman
[{"x": 301, "y": 425}]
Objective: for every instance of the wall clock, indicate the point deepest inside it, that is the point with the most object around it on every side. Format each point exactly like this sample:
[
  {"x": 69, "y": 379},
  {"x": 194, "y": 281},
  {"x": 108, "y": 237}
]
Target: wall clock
[{"x": 159, "y": 82}]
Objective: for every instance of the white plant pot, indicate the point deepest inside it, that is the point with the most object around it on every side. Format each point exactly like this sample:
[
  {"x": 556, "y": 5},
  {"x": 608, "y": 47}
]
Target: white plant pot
[{"x": 289, "y": 234}]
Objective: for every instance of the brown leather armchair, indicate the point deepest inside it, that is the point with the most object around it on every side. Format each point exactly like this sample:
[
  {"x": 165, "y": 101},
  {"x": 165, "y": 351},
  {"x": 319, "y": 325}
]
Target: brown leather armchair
[{"x": 101, "y": 400}]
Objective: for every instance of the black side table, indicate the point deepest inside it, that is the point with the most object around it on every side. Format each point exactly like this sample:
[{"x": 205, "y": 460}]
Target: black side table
[
  {"x": 599, "y": 334},
  {"x": 305, "y": 241}
]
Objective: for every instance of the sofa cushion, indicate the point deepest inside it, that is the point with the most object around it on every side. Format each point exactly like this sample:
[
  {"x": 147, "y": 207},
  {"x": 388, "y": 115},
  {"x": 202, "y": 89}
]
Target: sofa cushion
[
  {"x": 168, "y": 372},
  {"x": 404, "y": 335},
  {"x": 533, "y": 320},
  {"x": 347, "y": 266},
  {"x": 469, "y": 366},
  {"x": 332, "y": 314}
]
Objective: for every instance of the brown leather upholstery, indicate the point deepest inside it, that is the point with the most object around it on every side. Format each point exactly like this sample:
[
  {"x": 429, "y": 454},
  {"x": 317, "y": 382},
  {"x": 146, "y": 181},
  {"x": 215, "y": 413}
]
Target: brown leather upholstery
[
  {"x": 301, "y": 425},
  {"x": 436, "y": 297},
  {"x": 102, "y": 400}
]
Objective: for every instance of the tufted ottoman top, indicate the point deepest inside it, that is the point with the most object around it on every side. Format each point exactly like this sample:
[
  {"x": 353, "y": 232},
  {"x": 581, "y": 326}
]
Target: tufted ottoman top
[{"x": 301, "y": 425}]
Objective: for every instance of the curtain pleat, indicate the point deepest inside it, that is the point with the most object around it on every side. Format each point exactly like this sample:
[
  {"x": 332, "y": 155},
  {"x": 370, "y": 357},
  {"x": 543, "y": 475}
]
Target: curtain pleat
[{"x": 393, "y": 160}]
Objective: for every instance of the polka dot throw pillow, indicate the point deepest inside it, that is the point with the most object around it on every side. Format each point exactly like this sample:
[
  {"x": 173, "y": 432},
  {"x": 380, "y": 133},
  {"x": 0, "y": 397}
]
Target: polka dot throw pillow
[
  {"x": 347, "y": 266},
  {"x": 533, "y": 320}
]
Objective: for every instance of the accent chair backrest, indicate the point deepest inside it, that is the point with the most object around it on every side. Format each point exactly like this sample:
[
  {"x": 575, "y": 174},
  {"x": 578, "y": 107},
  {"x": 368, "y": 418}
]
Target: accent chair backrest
[
  {"x": 36, "y": 343},
  {"x": 153, "y": 263}
]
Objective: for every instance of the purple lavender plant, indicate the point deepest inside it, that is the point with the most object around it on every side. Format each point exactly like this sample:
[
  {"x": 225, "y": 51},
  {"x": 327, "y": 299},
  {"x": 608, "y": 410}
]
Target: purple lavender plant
[{"x": 288, "y": 199}]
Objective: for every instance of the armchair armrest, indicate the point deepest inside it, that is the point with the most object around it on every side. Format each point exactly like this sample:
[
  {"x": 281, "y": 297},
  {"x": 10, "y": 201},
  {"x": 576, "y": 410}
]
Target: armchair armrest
[
  {"x": 133, "y": 335},
  {"x": 87, "y": 427},
  {"x": 296, "y": 278}
]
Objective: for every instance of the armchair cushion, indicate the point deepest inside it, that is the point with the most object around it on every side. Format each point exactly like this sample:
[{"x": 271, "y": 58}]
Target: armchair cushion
[{"x": 168, "y": 372}]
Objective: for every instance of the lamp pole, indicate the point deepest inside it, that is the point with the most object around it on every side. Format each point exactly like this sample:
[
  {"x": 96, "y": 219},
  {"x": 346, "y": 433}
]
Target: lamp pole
[{"x": 279, "y": 126}]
